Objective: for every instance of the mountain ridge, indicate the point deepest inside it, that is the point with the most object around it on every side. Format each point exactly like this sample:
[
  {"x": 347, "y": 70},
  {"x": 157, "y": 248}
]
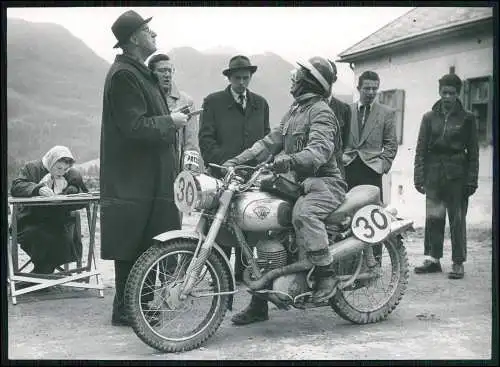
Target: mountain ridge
[{"x": 55, "y": 83}]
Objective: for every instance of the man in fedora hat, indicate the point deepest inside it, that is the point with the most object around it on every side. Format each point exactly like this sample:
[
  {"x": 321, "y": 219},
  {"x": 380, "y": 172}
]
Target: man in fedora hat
[
  {"x": 232, "y": 120},
  {"x": 139, "y": 159}
]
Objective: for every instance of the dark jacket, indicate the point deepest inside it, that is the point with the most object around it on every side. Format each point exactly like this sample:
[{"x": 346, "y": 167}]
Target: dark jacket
[
  {"x": 138, "y": 162},
  {"x": 447, "y": 146},
  {"x": 26, "y": 184},
  {"x": 45, "y": 233},
  {"x": 225, "y": 131},
  {"x": 343, "y": 113}
]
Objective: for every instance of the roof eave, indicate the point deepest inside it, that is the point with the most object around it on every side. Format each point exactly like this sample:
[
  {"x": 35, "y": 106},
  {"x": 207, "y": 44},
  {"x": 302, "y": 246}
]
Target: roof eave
[{"x": 423, "y": 37}]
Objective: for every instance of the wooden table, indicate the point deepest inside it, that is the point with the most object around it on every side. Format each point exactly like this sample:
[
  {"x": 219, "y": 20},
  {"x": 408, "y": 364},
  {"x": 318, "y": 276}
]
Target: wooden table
[{"x": 68, "y": 277}]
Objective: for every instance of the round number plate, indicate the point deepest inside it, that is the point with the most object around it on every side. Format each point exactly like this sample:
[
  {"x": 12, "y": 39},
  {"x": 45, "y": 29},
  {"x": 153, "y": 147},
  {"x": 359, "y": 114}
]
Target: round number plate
[
  {"x": 371, "y": 224},
  {"x": 185, "y": 193}
]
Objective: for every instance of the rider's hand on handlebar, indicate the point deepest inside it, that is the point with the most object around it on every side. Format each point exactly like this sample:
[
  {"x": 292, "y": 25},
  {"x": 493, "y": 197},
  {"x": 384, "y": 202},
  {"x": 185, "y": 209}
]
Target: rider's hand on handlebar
[{"x": 283, "y": 163}]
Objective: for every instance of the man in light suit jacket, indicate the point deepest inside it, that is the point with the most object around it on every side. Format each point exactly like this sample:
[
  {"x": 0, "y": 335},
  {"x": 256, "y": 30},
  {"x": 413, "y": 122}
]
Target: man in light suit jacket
[{"x": 371, "y": 144}]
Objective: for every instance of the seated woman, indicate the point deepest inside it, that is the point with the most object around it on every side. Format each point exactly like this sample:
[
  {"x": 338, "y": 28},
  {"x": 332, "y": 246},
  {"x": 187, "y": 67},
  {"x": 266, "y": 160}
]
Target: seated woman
[{"x": 48, "y": 234}]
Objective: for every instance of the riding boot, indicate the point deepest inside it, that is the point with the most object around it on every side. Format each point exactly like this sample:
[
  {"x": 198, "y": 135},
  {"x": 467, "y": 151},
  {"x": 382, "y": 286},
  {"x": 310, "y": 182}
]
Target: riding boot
[
  {"x": 256, "y": 311},
  {"x": 326, "y": 284}
]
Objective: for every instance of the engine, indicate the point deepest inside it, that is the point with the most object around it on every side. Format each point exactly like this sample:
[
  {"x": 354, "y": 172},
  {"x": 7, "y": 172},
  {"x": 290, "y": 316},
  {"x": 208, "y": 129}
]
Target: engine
[
  {"x": 271, "y": 253},
  {"x": 258, "y": 211},
  {"x": 275, "y": 252}
]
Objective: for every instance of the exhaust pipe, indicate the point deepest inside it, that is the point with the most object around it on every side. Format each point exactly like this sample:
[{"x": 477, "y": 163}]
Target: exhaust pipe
[{"x": 338, "y": 250}]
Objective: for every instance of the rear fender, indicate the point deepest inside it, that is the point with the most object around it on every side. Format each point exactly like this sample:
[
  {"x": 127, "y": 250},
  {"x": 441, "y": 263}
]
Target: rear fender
[{"x": 192, "y": 235}]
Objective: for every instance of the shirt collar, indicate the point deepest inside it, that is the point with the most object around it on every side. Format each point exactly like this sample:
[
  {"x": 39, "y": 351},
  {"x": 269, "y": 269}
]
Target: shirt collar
[
  {"x": 174, "y": 91},
  {"x": 236, "y": 95},
  {"x": 360, "y": 104}
]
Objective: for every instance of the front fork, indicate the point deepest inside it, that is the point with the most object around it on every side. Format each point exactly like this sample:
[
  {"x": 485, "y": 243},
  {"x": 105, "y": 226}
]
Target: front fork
[{"x": 206, "y": 243}]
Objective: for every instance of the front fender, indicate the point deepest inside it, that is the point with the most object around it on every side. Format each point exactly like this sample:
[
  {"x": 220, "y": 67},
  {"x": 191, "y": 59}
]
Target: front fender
[{"x": 190, "y": 234}]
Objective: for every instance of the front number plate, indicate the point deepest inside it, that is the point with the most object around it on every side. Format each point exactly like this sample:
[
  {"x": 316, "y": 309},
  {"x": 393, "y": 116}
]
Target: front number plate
[{"x": 185, "y": 193}]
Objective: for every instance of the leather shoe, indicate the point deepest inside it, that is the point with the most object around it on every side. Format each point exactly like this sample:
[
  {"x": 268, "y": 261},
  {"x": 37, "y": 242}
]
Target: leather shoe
[
  {"x": 256, "y": 311},
  {"x": 325, "y": 289},
  {"x": 428, "y": 267},
  {"x": 457, "y": 271}
]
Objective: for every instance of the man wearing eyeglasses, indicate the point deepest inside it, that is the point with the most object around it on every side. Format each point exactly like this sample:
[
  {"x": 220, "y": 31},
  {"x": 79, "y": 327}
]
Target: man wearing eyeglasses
[
  {"x": 189, "y": 151},
  {"x": 138, "y": 159}
]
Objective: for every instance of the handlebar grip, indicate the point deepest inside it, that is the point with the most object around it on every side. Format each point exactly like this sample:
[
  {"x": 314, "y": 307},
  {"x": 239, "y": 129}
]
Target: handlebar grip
[{"x": 216, "y": 165}]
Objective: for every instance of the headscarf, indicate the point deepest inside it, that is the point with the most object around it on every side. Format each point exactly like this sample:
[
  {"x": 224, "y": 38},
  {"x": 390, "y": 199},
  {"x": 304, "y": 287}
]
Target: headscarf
[
  {"x": 54, "y": 154},
  {"x": 48, "y": 160}
]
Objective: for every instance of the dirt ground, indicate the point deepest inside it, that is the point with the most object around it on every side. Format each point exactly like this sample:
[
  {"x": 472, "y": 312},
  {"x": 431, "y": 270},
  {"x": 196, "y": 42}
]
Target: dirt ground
[{"x": 438, "y": 318}]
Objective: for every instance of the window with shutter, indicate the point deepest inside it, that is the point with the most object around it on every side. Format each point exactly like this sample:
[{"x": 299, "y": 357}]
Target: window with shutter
[
  {"x": 395, "y": 98},
  {"x": 476, "y": 96}
]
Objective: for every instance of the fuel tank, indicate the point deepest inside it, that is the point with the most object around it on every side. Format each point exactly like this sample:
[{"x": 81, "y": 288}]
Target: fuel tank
[{"x": 257, "y": 211}]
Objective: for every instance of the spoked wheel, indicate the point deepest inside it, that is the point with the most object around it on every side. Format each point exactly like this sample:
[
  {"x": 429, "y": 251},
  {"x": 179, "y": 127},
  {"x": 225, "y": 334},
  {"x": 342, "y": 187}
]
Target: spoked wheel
[
  {"x": 159, "y": 317},
  {"x": 371, "y": 300}
]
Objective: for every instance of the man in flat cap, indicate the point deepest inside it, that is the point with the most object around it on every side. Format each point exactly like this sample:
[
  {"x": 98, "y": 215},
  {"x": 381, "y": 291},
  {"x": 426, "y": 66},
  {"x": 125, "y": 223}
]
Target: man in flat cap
[
  {"x": 445, "y": 170},
  {"x": 232, "y": 120},
  {"x": 138, "y": 160}
]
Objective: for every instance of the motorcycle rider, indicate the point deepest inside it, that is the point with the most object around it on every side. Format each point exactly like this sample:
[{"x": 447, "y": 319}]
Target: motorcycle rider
[{"x": 306, "y": 136}]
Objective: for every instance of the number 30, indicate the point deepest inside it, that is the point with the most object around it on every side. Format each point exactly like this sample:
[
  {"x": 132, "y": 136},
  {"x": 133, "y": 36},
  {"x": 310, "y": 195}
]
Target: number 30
[{"x": 374, "y": 224}]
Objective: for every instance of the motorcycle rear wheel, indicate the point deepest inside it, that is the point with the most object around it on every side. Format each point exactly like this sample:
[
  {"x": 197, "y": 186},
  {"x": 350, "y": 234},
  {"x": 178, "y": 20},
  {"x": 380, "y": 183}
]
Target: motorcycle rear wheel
[
  {"x": 169, "y": 329},
  {"x": 349, "y": 303}
]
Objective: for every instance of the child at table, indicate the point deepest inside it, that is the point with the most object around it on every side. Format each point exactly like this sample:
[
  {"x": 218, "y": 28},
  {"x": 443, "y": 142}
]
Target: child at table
[{"x": 48, "y": 234}]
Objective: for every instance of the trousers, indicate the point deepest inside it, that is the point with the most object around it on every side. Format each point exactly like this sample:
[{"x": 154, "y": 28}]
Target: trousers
[
  {"x": 322, "y": 196},
  {"x": 358, "y": 173},
  {"x": 122, "y": 271},
  {"x": 446, "y": 196}
]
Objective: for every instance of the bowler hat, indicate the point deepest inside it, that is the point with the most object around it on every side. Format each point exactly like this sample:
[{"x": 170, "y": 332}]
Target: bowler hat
[
  {"x": 239, "y": 62},
  {"x": 126, "y": 24}
]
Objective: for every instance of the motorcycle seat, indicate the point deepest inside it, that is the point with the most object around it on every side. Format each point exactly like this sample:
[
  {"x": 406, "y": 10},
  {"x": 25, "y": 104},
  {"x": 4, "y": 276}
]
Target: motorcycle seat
[{"x": 355, "y": 199}]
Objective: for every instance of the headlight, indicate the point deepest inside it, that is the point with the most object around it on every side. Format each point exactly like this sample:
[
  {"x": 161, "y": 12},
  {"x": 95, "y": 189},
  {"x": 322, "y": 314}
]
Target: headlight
[{"x": 195, "y": 191}]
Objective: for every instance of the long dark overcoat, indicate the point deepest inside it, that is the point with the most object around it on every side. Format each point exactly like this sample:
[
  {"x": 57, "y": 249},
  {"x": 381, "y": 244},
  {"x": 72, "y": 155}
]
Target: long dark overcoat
[
  {"x": 138, "y": 162},
  {"x": 226, "y": 130},
  {"x": 47, "y": 234}
]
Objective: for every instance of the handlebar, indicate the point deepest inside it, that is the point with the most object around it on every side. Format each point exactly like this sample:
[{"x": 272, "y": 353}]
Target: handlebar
[
  {"x": 230, "y": 172},
  {"x": 265, "y": 166}
]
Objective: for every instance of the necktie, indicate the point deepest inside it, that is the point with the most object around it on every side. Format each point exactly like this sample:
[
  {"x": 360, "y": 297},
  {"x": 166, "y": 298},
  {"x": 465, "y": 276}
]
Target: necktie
[
  {"x": 364, "y": 111},
  {"x": 241, "y": 99}
]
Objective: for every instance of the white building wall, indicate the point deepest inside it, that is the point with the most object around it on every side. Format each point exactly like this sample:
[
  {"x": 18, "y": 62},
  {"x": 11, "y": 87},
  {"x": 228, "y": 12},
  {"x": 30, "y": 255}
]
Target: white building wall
[{"x": 417, "y": 71}]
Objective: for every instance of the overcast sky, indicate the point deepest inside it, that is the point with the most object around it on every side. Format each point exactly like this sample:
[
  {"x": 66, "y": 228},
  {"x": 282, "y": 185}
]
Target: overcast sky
[{"x": 291, "y": 32}]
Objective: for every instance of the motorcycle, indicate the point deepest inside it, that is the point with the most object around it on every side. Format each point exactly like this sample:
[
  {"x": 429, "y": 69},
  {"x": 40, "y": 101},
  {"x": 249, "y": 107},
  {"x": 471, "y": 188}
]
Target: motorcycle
[{"x": 180, "y": 289}]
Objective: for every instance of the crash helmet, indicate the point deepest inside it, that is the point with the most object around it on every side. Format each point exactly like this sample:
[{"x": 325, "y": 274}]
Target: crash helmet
[{"x": 321, "y": 70}]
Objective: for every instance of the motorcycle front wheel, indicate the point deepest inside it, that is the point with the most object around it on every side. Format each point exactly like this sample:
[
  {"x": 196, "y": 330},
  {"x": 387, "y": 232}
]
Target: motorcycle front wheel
[
  {"x": 372, "y": 301},
  {"x": 157, "y": 315}
]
